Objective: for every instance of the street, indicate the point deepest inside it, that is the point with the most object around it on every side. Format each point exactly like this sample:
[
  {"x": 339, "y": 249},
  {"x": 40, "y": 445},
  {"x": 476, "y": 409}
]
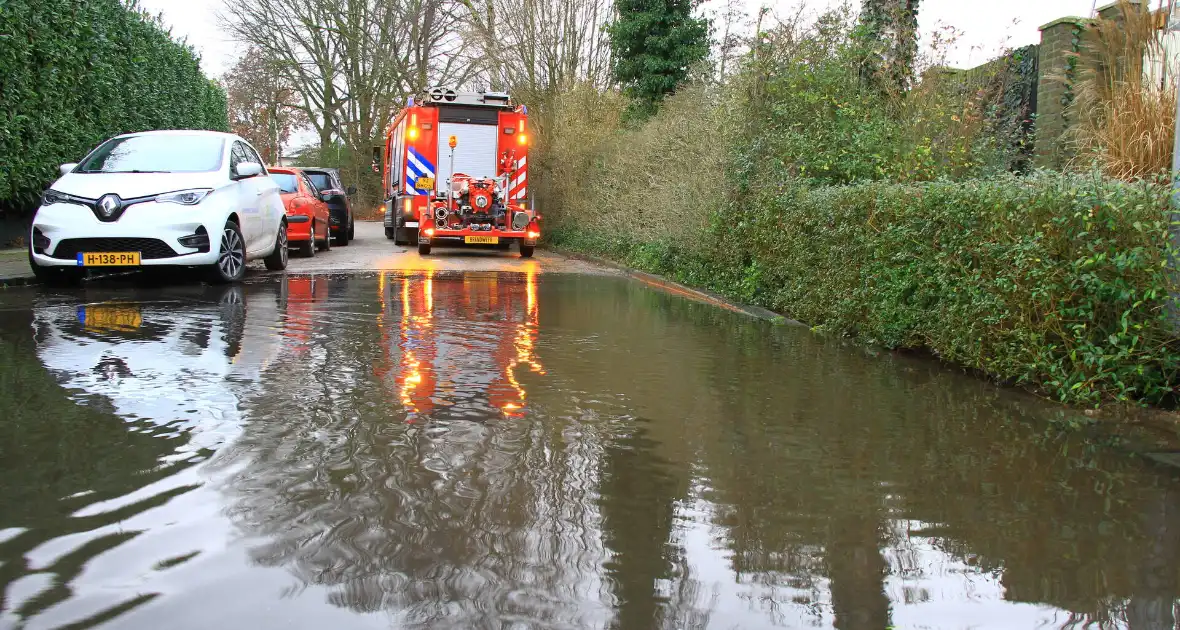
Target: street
[
  {"x": 371, "y": 251},
  {"x": 342, "y": 447}
]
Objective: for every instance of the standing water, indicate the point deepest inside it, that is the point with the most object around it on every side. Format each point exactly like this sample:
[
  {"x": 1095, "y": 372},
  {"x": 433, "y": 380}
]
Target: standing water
[{"x": 518, "y": 451}]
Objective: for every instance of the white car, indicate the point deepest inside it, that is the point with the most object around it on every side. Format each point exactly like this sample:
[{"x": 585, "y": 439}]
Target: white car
[{"x": 180, "y": 198}]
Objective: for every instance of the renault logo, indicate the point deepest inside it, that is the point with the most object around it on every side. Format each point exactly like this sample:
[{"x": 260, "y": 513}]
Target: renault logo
[{"x": 109, "y": 204}]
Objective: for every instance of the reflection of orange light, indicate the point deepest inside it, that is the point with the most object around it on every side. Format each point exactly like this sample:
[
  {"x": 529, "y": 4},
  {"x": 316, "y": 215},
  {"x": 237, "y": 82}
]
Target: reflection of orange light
[
  {"x": 430, "y": 293},
  {"x": 524, "y": 342},
  {"x": 416, "y": 375}
]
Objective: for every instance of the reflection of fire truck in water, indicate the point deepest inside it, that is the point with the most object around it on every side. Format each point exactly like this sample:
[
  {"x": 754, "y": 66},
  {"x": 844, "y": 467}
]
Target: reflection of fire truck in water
[
  {"x": 457, "y": 346},
  {"x": 455, "y": 170}
]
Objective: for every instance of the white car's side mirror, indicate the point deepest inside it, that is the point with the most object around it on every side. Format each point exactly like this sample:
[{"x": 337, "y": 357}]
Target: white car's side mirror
[
  {"x": 247, "y": 169},
  {"x": 66, "y": 168}
]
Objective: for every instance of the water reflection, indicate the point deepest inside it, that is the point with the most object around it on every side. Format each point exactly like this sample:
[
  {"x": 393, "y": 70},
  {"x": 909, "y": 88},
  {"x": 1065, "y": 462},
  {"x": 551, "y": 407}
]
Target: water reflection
[
  {"x": 526, "y": 451},
  {"x": 470, "y": 366},
  {"x": 450, "y": 509},
  {"x": 109, "y": 407}
]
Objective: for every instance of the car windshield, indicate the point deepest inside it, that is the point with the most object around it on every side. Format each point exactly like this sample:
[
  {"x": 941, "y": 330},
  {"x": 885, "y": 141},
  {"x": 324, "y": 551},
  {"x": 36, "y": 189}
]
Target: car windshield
[
  {"x": 287, "y": 182},
  {"x": 322, "y": 181},
  {"x": 156, "y": 154}
]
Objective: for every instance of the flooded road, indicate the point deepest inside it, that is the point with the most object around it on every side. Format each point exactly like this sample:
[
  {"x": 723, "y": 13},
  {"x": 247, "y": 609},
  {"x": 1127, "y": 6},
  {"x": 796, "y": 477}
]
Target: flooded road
[{"x": 536, "y": 451}]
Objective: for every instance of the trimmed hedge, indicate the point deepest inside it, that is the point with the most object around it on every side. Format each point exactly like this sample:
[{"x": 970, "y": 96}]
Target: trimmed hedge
[
  {"x": 1056, "y": 282},
  {"x": 76, "y": 72}
]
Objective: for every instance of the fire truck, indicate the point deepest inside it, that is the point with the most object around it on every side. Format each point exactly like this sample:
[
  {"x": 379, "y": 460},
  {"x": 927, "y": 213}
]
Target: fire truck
[{"x": 455, "y": 171}]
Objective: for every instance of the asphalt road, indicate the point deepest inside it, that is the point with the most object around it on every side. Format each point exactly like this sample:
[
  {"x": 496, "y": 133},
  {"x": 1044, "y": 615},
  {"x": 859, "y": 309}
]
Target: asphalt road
[{"x": 371, "y": 251}]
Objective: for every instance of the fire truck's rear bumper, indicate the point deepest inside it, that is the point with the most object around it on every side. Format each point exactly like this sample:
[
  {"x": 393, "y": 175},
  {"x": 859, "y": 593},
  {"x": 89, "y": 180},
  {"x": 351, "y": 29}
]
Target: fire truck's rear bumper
[{"x": 435, "y": 235}]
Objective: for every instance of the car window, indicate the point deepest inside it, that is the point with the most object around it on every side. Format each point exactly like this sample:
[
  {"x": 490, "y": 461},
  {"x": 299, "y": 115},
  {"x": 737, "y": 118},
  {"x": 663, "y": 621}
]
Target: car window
[
  {"x": 321, "y": 180},
  {"x": 311, "y": 187},
  {"x": 238, "y": 155},
  {"x": 156, "y": 153},
  {"x": 286, "y": 181},
  {"x": 254, "y": 157}
]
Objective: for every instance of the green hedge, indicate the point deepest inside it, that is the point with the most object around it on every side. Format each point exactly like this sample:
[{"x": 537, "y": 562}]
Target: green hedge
[
  {"x": 75, "y": 72},
  {"x": 1056, "y": 282}
]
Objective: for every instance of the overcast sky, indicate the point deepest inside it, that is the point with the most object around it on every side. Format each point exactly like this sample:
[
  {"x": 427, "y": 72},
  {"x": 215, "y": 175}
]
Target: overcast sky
[{"x": 987, "y": 26}]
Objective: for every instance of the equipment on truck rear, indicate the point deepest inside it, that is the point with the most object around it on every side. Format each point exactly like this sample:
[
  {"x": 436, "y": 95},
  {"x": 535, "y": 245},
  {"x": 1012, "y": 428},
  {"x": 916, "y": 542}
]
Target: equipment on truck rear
[{"x": 455, "y": 171}]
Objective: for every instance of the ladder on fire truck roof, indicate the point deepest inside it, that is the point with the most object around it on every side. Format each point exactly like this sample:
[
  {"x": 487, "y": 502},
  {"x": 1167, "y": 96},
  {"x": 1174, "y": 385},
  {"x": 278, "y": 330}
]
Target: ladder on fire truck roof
[{"x": 450, "y": 96}]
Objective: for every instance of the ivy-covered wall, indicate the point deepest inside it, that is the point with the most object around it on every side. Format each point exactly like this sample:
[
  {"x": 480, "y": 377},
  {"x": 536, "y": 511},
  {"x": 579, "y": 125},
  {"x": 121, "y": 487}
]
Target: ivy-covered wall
[
  {"x": 76, "y": 72},
  {"x": 1060, "y": 64}
]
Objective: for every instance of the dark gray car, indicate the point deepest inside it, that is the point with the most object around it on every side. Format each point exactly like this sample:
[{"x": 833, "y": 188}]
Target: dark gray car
[{"x": 327, "y": 182}]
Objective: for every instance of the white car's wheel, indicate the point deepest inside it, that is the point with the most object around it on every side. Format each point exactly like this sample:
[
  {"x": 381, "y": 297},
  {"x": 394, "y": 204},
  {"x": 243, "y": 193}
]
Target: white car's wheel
[
  {"x": 277, "y": 261},
  {"x": 231, "y": 257}
]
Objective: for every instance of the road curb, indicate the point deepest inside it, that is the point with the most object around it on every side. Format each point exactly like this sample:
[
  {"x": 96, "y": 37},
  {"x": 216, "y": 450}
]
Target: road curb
[
  {"x": 17, "y": 281},
  {"x": 700, "y": 295}
]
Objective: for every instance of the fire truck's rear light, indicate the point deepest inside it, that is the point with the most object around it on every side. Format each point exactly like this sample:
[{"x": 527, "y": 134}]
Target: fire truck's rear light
[
  {"x": 522, "y": 138},
  {"x": 534, "y": 235},
  {"x": 407, "y": 207},
  {"x": 412, "y": 133},
  {"x": 429, "y": 231}
]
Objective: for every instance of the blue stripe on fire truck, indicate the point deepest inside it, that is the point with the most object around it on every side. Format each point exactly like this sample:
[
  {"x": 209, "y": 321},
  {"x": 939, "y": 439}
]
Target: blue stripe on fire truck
[{"x": 417, "y": 166}]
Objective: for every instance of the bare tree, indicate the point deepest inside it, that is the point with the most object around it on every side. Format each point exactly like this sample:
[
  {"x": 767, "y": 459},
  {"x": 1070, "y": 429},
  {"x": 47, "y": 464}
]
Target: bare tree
[
  {"x": 353, "y": 62},
  {"x": 540, "y": 46},
  {"x": 294, "y": 34},
  {"x": 731, "y": 43},
  {"x": 263, "y": 105}
]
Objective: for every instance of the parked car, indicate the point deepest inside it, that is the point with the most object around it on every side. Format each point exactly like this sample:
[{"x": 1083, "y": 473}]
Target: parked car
[
  {"x": 307, "y": 213},
  {"x": 327, "y": 181},
  {"x": 176, "y": 198}
]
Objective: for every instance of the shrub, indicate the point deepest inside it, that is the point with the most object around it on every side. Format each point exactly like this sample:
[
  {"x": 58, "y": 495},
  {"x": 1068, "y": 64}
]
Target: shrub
[
  {"x": 1126, "y": 105},
  {"x": 791, "y": 188},
  {"x": 1057, "y": 282},
  {"x": 75, "y": 73},
  {"x": 657, "y": 182},
  {"x": 803, "y": 113}
]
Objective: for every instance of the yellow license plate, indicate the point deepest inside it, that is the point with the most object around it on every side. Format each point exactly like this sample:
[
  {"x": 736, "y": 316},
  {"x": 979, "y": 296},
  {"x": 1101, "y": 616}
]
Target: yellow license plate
[
  {"x": 109, "y": 259},
  {"x": 112, "y": 317},
  {"x": 481, "y": 240},
  {"x": 424, "y": 183}
]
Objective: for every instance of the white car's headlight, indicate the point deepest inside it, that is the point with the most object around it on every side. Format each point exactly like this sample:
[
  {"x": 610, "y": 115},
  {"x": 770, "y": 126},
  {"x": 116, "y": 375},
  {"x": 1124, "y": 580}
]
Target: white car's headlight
[
  {"x": 185, "y": 197},
  {"x": 50, "y": 197}
]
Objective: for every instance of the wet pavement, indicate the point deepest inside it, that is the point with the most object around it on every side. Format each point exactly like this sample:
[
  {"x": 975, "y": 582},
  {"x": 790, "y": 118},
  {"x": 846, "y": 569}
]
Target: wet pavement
[
  {"x": 525, "y": 450},
  {"x": 372, "y": 251}
]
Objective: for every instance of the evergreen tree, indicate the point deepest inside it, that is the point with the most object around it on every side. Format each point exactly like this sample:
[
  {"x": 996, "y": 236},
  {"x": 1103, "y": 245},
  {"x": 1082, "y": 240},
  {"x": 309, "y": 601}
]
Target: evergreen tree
[
  {"x": 654, "y": 43},
  {"x": 888, "y": 32}
]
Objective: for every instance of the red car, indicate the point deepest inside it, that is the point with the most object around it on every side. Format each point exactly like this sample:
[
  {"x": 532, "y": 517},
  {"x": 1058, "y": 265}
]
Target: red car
[{"x": 307, "y": 212}]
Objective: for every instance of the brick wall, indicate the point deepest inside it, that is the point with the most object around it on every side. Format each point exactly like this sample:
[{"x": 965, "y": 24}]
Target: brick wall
[{"x": 1061, "y": 39}]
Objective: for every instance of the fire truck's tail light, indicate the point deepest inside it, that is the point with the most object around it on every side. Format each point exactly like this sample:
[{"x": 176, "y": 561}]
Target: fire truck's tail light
[
  {"x": 522, "y": 138},
  {"x": 429, "y": 232},
  {"x": 407, "y": 207},
  {"x": 412, "y": 133},
  {"x": 534, "y": 235}
]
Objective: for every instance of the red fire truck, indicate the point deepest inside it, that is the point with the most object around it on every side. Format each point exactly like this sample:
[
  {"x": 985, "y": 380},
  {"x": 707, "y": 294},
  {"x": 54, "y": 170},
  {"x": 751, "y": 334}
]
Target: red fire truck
[{"x": 455, "y": 171}]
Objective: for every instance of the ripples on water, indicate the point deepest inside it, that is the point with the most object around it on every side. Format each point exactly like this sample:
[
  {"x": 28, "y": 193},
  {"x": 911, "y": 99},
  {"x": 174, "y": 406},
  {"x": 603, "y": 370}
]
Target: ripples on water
[{"x": 515, "y": 451}]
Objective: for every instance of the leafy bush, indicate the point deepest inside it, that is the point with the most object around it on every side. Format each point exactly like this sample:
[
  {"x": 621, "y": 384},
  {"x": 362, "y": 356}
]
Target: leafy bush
[
  {"x": 803, "y": 113},
  {"x": 1058, "y": 282},
  {"x": 73, "y": 74},
  {"x": 794, "y": 189},
  {"x": 659, "y": 181}
]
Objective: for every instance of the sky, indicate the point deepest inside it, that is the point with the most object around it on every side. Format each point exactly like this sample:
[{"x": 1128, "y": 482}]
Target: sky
[{"x": 987, "y": 27}]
